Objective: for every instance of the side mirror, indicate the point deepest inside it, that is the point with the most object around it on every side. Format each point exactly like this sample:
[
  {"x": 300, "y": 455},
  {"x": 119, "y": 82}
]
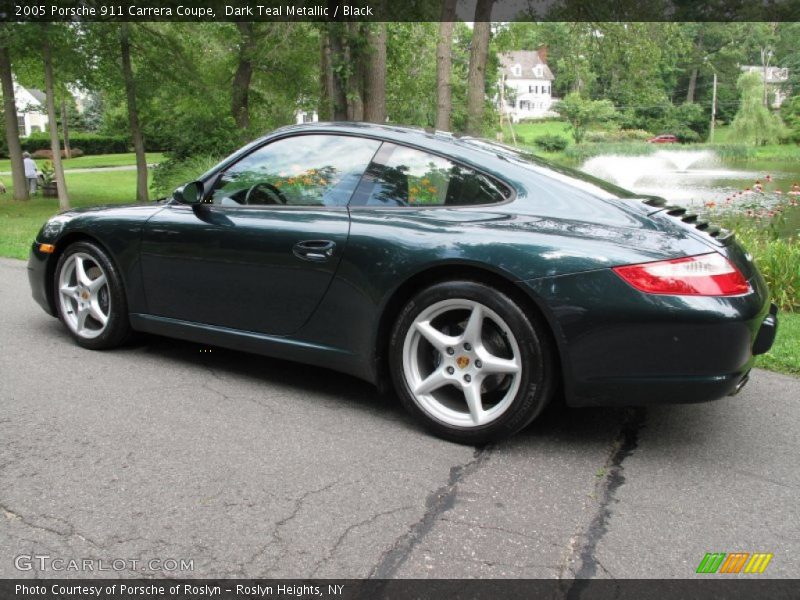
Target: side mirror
[{"x": 190, "y": 193}]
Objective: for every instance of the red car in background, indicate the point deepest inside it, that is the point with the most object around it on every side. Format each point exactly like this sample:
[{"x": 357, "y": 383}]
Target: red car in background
[{"x": 666, "y": 138}]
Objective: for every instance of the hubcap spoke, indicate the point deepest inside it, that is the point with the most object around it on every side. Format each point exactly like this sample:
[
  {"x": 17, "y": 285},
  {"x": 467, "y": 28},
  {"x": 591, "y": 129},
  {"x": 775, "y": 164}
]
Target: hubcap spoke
[
  {"x": 82, "y": 314},
  {"x": 69, "y": 291},
  {"x": 495, "y": 364},
  {"x": 438, "y": 340},
  {"x": 472, "y": 393},
  {"x": 474, "y": 328},
  {"x": 97, "y": 313},
  {"x": 96, "y": 284},
  {"x": 432, "y": 382},
  {"x": 80, "y": 272}
]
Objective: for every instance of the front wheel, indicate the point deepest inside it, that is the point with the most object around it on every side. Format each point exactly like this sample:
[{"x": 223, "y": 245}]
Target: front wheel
[
  {"x": 90, "y": 298},
  {"x": 469, "y": 364}
]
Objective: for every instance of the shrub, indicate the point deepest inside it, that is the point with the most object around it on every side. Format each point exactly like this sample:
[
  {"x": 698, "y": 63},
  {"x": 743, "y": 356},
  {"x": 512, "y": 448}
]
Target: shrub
[
  {"x": 551, "y": 143},
  {"x": 779, "y": 263},
  {"x": 171, "y": 173},
  {"x": 760, "y": 221},
  {"x": 90, "y": 143},
  {"x": 48, "y": 154},
  {"x": 620, "y": 135}
]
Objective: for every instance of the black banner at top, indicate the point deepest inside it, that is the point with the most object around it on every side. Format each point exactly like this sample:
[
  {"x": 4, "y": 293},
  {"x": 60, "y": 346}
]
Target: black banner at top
[{"x": 396, "y": 10}]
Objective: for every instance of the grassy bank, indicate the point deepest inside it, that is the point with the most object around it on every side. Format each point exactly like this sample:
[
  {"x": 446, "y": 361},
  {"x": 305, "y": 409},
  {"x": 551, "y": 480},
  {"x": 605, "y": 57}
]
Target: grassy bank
[
  {"x": 575, "y": 154},
  {"x": 20, "y": 221},
  {"x": 785, "y": 354},
  {"x": 90, "y": 162}
]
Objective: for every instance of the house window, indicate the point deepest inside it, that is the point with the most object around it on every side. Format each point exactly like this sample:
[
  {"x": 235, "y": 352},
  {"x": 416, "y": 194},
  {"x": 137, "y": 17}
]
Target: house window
[
  {"x": 516, "y": 70},
  {"x": 21, "y": 122},
  {"x": 537, "y": 70}
]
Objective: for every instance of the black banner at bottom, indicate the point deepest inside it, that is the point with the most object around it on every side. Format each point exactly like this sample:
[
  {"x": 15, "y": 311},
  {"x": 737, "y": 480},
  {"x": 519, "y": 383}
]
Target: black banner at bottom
[{"x": 398, "y": 589}]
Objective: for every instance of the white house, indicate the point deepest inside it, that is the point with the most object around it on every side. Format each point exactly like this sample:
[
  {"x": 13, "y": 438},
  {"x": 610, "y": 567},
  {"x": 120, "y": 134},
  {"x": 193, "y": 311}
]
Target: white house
[
  {"x": 527, "y": 83},
  {"x": 303, "y": 116},
  {"x": 31, "y": 111},
  {"x": 777, "y": 77}
]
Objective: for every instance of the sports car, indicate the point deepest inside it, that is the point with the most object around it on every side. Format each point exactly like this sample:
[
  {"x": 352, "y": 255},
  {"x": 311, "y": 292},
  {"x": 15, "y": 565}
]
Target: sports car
[{"x": 478, "y": 281}]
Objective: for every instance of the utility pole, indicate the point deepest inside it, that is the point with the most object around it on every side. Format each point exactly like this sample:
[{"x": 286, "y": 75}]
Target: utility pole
[
  {"x": 766, "y": 55},
  {"x": 713, "y": 110}
]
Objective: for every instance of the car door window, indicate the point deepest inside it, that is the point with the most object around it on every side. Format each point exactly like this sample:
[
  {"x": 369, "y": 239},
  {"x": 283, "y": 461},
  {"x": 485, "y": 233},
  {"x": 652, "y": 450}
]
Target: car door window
[
  {"x": 304, "y": 170},
  {"x": 401, "y": 176}
]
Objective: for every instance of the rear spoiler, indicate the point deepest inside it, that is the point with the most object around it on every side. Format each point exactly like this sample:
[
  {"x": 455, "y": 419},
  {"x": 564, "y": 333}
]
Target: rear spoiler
[{"x": 723, "y": 236}]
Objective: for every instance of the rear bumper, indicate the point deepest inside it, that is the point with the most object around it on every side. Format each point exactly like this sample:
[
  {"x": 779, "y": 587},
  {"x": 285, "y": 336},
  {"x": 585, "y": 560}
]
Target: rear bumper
[
  {"x": 766, "y": 334},
  {"x": 620, "y": 347}
]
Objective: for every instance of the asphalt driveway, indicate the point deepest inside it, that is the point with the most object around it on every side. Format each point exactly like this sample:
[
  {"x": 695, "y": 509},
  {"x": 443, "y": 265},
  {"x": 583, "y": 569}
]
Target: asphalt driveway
[{"x": 248, "y": 466}]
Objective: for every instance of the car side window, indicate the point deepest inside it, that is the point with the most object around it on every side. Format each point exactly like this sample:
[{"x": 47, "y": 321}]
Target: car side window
[
  {"x": 304, "y": 170},
  {"x": 401, "y": 176}
]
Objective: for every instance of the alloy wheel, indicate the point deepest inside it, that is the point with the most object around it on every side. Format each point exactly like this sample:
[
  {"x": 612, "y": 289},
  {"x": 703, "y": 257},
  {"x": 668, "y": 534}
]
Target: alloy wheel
[
  {"x": 462, "y": 363},
  {"x": 84, "y": 295}
]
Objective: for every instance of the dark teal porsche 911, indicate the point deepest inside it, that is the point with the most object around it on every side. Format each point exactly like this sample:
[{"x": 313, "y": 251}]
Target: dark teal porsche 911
[{"x": 479, "y": 281}]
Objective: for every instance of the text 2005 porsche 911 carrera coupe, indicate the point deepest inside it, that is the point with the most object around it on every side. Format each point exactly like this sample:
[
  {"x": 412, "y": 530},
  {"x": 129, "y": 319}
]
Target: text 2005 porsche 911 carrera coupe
[{"x": 478, "y": 280}]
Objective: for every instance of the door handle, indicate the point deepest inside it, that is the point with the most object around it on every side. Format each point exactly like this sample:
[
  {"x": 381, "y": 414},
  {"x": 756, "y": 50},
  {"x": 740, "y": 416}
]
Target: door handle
[{"x": 314, "y": 250}]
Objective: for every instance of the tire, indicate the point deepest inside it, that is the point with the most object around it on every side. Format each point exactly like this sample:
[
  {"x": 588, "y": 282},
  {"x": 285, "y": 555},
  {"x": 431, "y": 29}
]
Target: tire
[
  {"x": 94, "y": 311},
  {"x": 469, "y": 364}
]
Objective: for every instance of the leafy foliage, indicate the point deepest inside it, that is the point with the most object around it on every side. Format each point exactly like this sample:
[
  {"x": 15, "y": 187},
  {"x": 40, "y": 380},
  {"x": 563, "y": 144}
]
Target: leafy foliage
[
  {"x": 551, "y": 143},
  {"x": 90, "y": 143},
  {"x": 754, "y": 123},
  {"x": 581, "y": 113}
]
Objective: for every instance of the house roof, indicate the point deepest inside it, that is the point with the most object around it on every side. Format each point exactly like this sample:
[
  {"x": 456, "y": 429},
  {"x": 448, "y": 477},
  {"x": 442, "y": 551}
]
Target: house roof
[
  {"x": 38, "y": 94},
  {"x": 774, "y": 74},
  {"x": 527, "y": 60}
]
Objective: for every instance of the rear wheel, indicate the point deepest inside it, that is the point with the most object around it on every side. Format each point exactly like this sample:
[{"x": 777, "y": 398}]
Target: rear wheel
[
  {"x": 90, "y": 298},
  {"x": 469, "y": 364}
]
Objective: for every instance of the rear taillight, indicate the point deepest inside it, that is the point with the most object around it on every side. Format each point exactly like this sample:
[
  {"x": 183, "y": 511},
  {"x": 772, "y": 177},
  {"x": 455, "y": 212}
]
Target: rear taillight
[{"x": 703, "y": 275}]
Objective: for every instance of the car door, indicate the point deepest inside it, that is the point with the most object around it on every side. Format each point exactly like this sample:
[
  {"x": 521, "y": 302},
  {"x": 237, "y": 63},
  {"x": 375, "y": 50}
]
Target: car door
[{"x": 260, "y": 251}]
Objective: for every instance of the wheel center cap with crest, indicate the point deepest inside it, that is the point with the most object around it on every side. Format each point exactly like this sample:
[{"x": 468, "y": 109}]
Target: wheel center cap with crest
[{"x": 462, "y": 362}]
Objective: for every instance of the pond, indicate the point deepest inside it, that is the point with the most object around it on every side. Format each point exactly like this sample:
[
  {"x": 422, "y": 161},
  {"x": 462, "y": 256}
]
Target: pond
[{"x": 699, "y": 178}]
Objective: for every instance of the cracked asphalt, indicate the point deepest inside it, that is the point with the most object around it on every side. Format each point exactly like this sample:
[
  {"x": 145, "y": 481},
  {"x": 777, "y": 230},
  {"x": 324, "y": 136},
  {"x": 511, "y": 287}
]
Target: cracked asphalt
[{"x": 252, "y": 467}]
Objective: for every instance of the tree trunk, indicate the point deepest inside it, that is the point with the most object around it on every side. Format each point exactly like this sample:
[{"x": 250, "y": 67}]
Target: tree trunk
[
  {"x": 240, "y": 99},
  {"x": 65, "y": 127},
  {"x": 692, "y": 87},
  {"x": 476, "y": 80},
  {"x": 337, "y": 66},
  {"x": 52, "y": 125},
  {"x": 133, "y": 113},
  {"x": 355, "y": 82},
  {"x": 12, "y": 128},
  {"x": 326, "y": 83},
  {"x": 375, "y": 75},
  {"x": 444, "y": 55}
]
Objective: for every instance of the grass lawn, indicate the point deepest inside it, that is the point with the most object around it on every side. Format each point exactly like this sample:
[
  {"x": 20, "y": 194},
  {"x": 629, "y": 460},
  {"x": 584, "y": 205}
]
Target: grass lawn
[
  {"x": 89, "y": 162},
  {"x": 20, "y": 221},
  {"x": 785, "y": 354},
  {"x": 527, "y": 132}
]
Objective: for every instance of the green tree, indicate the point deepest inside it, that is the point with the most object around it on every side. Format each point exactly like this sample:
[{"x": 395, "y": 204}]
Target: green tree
[
  {"x": 754, "y": 123},
  {"x": 582, "y": 113},
  {"x": 8, "y": 41}
]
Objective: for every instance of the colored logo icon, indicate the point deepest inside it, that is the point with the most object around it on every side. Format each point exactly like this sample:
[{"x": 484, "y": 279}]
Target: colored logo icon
[{"x": 734, "y": 562}]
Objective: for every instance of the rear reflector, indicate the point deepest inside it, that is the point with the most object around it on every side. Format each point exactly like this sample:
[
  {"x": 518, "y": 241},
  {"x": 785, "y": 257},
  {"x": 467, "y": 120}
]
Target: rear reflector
[{"x": 703, "y": 275}]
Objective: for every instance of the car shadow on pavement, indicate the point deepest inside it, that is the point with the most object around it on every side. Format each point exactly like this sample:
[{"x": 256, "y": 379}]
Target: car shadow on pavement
[{"x": 558, "y": 423}]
